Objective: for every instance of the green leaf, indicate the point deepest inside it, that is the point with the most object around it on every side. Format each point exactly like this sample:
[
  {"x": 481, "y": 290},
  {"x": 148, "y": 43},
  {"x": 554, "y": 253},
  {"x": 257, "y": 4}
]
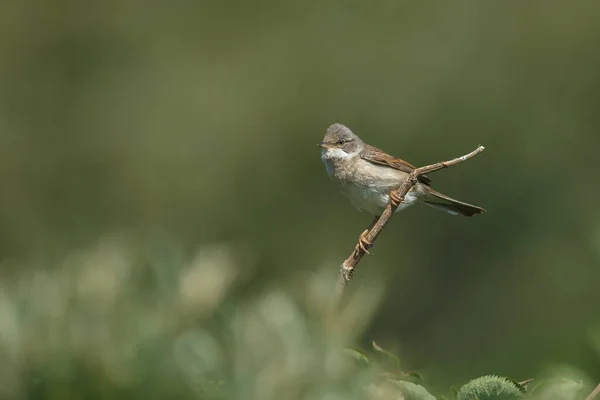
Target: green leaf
[
  {"x": 454, "y": 392},
  {"x": 415, "y": 375},
  {"x": 558, "y": 389},
  {"x": 518, "y": 384},
  {"x": 534, "y": 388},
  {"x": 387, "y": 353},
  {"x": 403, "y": 376},
  {"x": 489, "y": 387},
  {"x": 358, "y": 356},
  {"x": 412, "y": 391}
]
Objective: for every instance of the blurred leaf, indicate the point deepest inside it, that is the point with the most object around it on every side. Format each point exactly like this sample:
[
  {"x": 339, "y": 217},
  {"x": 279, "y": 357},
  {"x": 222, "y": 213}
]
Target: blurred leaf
[
  {"x": 212, "y": 389},
  {"x": 454, "y": 392},
  {"x": 358, "y": 356},
  {"x": 558, "y": 389},
  {"x": 415, "y": 375},
  {"x": 387, "y": 353},
  {"x": 412, "y": 391},
  {"x": 489, "y": 387},
  {"x": 403, "y": 376}
]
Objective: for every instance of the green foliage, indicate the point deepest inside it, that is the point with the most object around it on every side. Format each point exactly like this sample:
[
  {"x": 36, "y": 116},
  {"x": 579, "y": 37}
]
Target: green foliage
[
  {"x": 412, "y": 391},
  {"x": 359, "y": 356},
  {"x": 388, "y": 354},
  {"x": 558, "y": 389},
  {"x": 489, "y": 387},
  {"x": 454, "y": 392},
  {"x": 126, "y": 321}
]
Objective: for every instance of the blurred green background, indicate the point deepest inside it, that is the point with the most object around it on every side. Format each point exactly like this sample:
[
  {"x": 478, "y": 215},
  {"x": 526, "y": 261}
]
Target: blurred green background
[{"x": 197, "y": 122}]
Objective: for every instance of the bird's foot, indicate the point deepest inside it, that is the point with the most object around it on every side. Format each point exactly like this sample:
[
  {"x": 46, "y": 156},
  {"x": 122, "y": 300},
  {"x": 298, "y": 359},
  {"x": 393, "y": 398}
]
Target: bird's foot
[
  {"x": 363, "y": 244},
  {"x": 395, "y": 199}
]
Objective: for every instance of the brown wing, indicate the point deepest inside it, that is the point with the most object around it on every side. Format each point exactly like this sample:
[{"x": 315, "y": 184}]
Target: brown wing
[{"x": 376, "y": 156}]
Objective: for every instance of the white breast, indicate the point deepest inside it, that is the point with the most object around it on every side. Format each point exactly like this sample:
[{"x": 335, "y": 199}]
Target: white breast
[{"x": 372, "y": 200}]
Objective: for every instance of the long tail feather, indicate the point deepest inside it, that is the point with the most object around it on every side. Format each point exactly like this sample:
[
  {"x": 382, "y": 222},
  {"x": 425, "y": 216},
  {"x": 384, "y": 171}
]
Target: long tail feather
[{"x": 450, "y": 205}]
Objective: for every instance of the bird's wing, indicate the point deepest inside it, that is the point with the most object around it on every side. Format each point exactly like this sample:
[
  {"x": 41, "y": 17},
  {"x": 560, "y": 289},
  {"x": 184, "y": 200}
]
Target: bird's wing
[{"x": 376, "y": 156}]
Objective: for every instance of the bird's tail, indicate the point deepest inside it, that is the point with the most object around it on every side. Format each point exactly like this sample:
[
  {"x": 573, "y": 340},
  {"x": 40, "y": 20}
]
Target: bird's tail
[{"x": 448, "y": 204}]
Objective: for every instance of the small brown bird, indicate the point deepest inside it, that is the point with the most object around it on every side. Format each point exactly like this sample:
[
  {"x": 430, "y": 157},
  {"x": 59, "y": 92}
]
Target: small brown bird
[{"x": 367, "y": 175}]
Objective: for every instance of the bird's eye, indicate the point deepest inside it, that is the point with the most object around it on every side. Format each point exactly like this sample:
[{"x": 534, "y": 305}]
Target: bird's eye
[{"x": 341, "y": 142}]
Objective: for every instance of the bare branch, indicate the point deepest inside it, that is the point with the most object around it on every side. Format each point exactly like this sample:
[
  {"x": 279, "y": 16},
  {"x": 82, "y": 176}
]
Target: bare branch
[
  {"x": 594, "y": 394},
  {"x": 348, "y": 266}
]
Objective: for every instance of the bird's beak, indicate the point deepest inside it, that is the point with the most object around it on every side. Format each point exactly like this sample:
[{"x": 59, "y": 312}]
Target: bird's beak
[{"x": 323, "y": 145}]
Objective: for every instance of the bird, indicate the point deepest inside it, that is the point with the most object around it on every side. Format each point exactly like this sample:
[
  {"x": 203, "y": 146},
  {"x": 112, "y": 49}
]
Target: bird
[{"x": 368, "y": 177}]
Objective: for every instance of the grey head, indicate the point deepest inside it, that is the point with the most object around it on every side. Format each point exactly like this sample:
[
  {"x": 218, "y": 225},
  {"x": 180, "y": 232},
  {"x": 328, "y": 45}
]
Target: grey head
[{"x": 341, "y": 142}]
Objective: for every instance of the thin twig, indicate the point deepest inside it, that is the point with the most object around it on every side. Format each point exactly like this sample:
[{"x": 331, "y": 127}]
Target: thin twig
[
  {"x": 594, "y": 394},
  {"x": 348, "y": 266},
  {"x": 526, "y": 381}
]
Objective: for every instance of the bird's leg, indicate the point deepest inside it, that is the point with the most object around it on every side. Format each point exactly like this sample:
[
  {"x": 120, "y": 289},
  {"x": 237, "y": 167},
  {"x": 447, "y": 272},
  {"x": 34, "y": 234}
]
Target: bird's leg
[{"x": 363, "y": 244}]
